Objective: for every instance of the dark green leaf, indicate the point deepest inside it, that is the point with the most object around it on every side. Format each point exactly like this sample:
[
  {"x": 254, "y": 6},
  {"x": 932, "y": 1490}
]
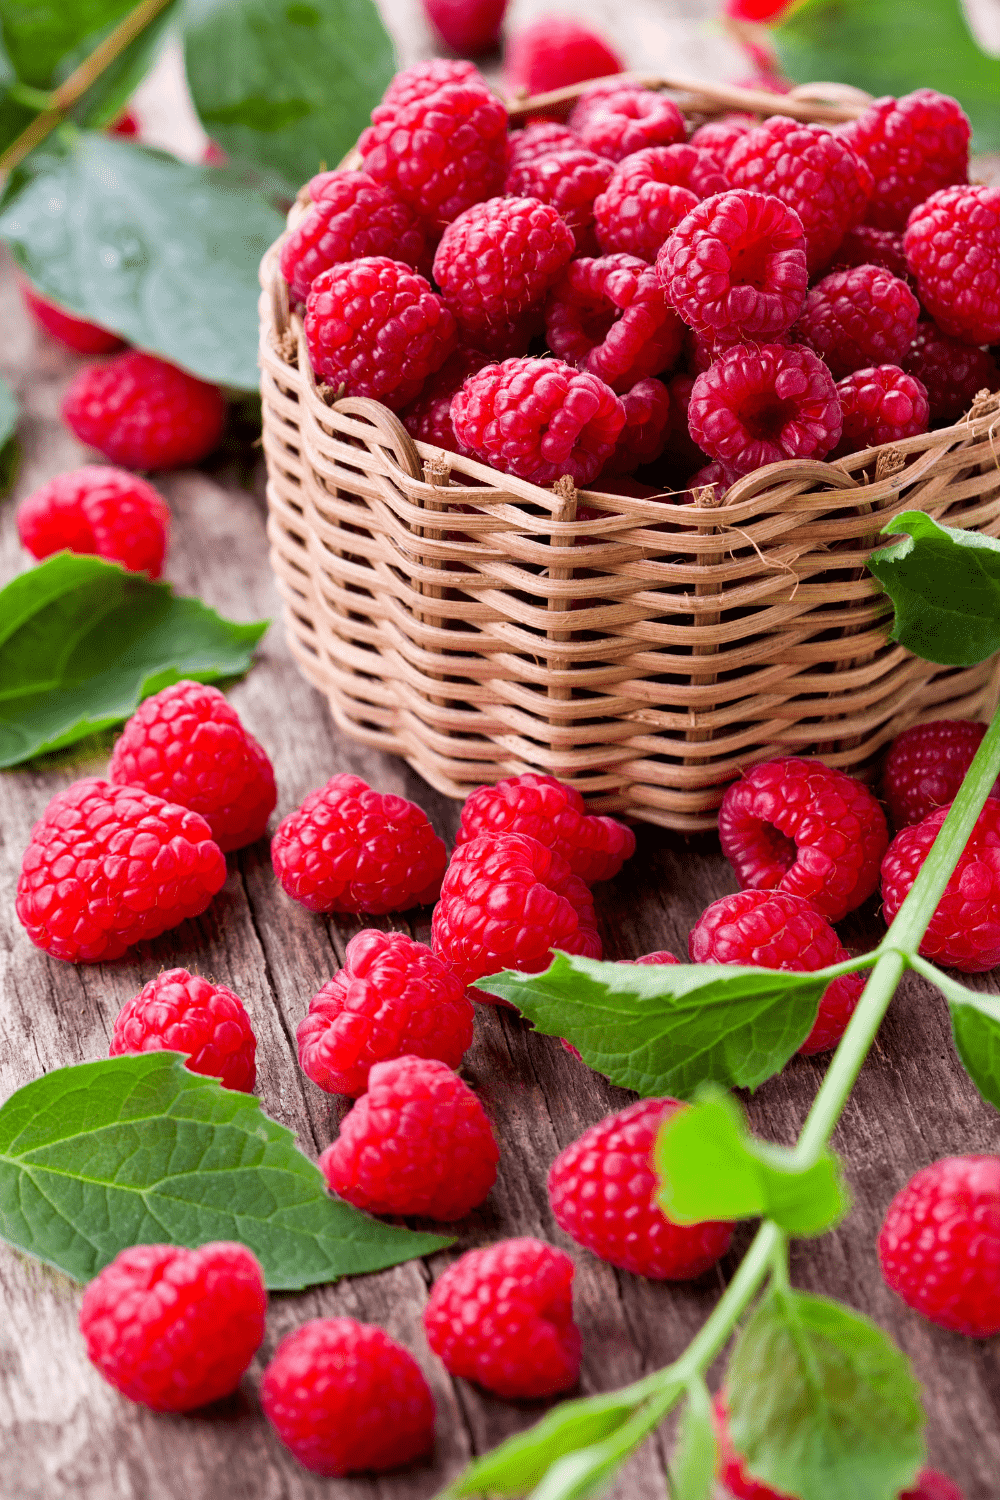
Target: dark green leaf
[
  {"x": 286, "y": 86},
  {"x": 8, "y": 412},
  {"x": 10, "y": 451},
  {"x": 82, "y": 642},
  {"x": 137, "y": 1150},
  {"x": 693, "y": 1466},
  {"x": 822, "y": 1404},
  {"x": 16, "y": 114},
  {"x": 162, "y": 253},
  {"x": 711, "y": 1167},
  {"x": 975, "y": 1027}
]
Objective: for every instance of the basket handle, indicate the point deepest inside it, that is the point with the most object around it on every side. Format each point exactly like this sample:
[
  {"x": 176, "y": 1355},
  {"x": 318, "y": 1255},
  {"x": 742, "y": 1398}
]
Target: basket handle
[{"x": 390, "y": 435}]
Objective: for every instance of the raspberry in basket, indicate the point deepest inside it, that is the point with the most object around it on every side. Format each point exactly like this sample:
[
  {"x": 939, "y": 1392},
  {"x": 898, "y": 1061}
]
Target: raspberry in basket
[
  {"x": 418, "y": 1142},
  {"x": 99, "y": 510},
  {"x": 186, "y": 744},
  {"x": 594, "y": 97},
  {"x": 644, "y": 436},
  {"x": 552, "y": 812},
  {"x": 800, "y": 826},
  {"x": 926, "y": 765},
  {"x": 865, "y": 245},
  {"x": 429, "y": 417},
  {"x": 681, "y": 449},
  {"x": 467, "y": 26},
  {"x": 952, "y": 244},
  {"x": 538, "y": 419},
  {"x": 392, "y": 997},
  {"x": 348, "y": 848},
  {"x": 719, "y": 137},
  {"x": 912, "y": 146},
  {"x": 760, "y": 404},
  {"x": 503, "y": 1317},
  {"x": 108, "y": 866},
  {"x": 610, "y": 315},
  {"x": 142, "y": 413},
  {"x": 649, "y": 195},
  {"x": 952, "y": 373},
  {"x": 181, "y": 1012},
  {"x": 720, "y": 476},
  {"x": 629, "y": 121},
  {"x": 964, "y": 932},
  {"x": 569, "y": 180},
  {"x": 355, "y": 216},
  {"x": 76, "y": 333},
  {"x": 540, "y": 138},
  {"x": 433, "y": 73},
  {"x": 859, "y": 317},
  {"x": 880, "y": 405},
  {"x": 553, "y": 53},
  {"x": 374, "y": 326}
]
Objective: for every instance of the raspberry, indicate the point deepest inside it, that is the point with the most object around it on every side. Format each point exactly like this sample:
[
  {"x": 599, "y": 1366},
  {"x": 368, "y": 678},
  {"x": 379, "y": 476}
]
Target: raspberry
[
  {"x": 173, "y": 1328},
  {"x": 538, "y": 419},
  {"x": 733, "y": 1477},
  {"x": 540, "y": 138},
  {"x": 506, "y": 902},
  {"x": 76, "y": 333},
  {"x": 187, "y": 745},
  {"x": 601, "y": 1189},
  {"x": 933, "y": 1485},
  {"x": 392, "y": 997},
  {"x": 569, "y": 180},
  {"x": 912, "y": 146},
  {"x": 647, "y": 423},
  {"x": 347, "y": 848},
  {"x": 774, "y": 930},
  {"x": 964, "y": 932},
  {"x": 553, "y": 53},
  {"x": 952, "y": 373},
  {"x": 757, "y": 406},
  {"x": 595, "y": 97},
  {"x": 346, "y": 1398},
  {"x": 660, "y": 956},
  {"x": 97, "y": 510},
  {"x": 375, "y": 327},
  {"x": 715, "y": 474},
  {"x": 424, "y": 78},
  {"x": 952, "y": 244},
  {"x": 497, "y": 261},
  {"x": 864, "y": 245},
  {"x": 181, "y": 1012},
  {"x": 812, "y": 171},
  {"x": 719, "y": 137},
  {"x": 503, "y": 1317},
  {"x": 355, "y": 217},
  {"x": 611, "y": 316},
  {"x": 681, "y": 446},
  {"x": 926, "y": 765},
  {"x": 468, "y": 26},
  {"x": 880, "y": 405},
  {"x": 629, "y": 121},
  {"x": 736, "y": 265},
  {"x": 429, "y": 417},
  {"x": 440, "y": 152},
  {"x": 552, "y": 812},
  {"x": 648, "y": 196},
  {"x": 859, "y": 317},
  {"x": 939, "y": 1245},
  {"x": 800, "y": 826},
  {"x": 127, "y": 125},
  {"x": 108, "y": 866},
  {"x": 418, "y": 1142},
  {"x": 142, "y": 413}
]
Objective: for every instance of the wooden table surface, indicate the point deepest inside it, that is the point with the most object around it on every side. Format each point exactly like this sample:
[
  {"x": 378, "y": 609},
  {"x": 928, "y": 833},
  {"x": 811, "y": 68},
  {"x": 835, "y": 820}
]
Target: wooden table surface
[{"x": 67, "y": 1433}]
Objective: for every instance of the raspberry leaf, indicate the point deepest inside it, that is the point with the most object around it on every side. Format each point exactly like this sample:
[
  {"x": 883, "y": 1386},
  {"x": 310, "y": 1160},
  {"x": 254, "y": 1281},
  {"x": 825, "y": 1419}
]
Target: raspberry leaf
[
  {"x": 692, "y": 1470},
  {"x": 137, "y": 1150},
  {"x": 822, "y": 1404},
  {"x": 975, "y": 1028},
  {"x": 711, "y": 1167}
]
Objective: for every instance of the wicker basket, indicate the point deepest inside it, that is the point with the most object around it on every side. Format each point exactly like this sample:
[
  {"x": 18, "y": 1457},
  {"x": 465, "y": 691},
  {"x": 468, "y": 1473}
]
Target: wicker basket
[{"x": 476, "y": 625}]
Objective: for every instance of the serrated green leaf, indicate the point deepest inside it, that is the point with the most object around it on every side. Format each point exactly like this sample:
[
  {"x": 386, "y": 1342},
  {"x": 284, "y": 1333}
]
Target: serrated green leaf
[
  {"x": 822, "y": 1404},
  {"x": 82, "y": 642},
  {"x": 711, "y": 1167},
  {"x": 692, "y": 1469},
  {"x": 975, "y": 1028},
  {"x": 137, "y": 1150}
]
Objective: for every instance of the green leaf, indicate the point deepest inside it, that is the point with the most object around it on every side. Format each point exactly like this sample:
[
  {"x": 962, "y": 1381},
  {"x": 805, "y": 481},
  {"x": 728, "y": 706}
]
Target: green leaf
[
  {"x": 162, "y": 253},
  {"x": 82, "y": 642},
  {"x": 975, "y": 1028},
  {"x": 8, "y": 413},
  {"x": 822, "y": 1404},
  {"x": 286, "y": 86},
  {"x": 891, "y": 47},
  {"x": 666, "y": 1029},
  {"x": 711, "y": 1167},
  {"x": 693, "y": 1468},
  {"x": 137, "y": 1150}
]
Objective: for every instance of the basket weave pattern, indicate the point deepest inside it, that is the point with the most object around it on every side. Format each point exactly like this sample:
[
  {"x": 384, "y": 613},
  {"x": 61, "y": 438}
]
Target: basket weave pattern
[{"x": 644, "y": 650}]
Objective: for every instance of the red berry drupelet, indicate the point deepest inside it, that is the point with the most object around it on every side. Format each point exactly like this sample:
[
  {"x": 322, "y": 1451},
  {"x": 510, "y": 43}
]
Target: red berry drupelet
[
  {"x": 108, "y": 866},
  {"x": 143, "y": 413},
  {"x": 186, "y": 744},
  {"x": 952, "y": 373},
  {"x": 503, "y": 1317},
  {"x": 392, "y": 998},
  {"x": 418, "y": 1142},
  {"x": 540, "y": 138},
  {"x": 719, "y": 137},
  {"x": 552, "y": 812},
  {"x": 610, "y": 315},
  {"x": 647, "y": 426},
  {"x": 629, "y": 121},
  {"x": 716, "y": 474},
  {"x": 648, "y": 196},
  {"x": 595, "y": 97},
  {"x": 803, "y": 827},
  {"x": 76, "y": 333},
  {"x": 760, "y": 404},
  {"x": 424, "y": 78},
  {"x": 355, "y": 217},
  {"x": 964, "y": 932},
  {"x": 181, "y": 1012},
  {"x": 569, "y": 180},
  {"x": 926, "y": 765},
  {"x": 912, "y": 146},
  {"x": 602, "y": 1188},
  {"x": 345, "y": 1398},
  {"x": 467, "y": 26},
  {"x": 952, "y": 244},
  {"x": 859, "y": 317},
  {"x": 428, "y": 419},
  {"x": 554, "y": 52},
  {"x": 864, "y": 245},
  {"x": 99, "y": 511},
  {"x": 172, "y": 1328},
  {"x": 880, "y": 405},
  {"x": 348, "y": 848}
]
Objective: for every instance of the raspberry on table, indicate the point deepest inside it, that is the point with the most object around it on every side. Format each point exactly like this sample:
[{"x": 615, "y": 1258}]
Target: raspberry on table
[
  {"x": 467, "y": 26},
  {"x": 601, "y": 1190},
  {"x": 939, "y": 1245},
  {"x": 553, "y": 53},
  {"x": 553, "y": 812},
  {"x": 503, "y": 1317},
  {"x": 418, "y": 1142},
  {"x": 880, "y": 405},
  {"x": 569, "y": 180},
  {"x": 99, "y": 511},
  {"x": 348, "y": 848},
  {"x": 186, "y": 744},
  {"x": 775, "y": 930},
  {"x": 355, "y": 217},
  {"x": 181, "y": 1012},
  {"x": 539, "y": 138},
  {"x": 108, "y": 866},
  {"x": 952, "y": 244},
  {"x": 859, "y": 317},
  {"x": 933, "y": 1485},
  {"x": 610, "y": 315},
  {"x": 392, "y": 998},
  {"x": 374, "y": 326},
  {"x": 538, "y": 419},
  {"x": 760, "y": 404},
  {"x": 719, "y": 137},
  {"x": 735, "y": 1481},
  {"x": 76, "y": 333},
  {"x": 952, "y": 373},
  {"x": 912, "y": 146},
  {"x": 423, "y": 78},
  {"x": 648, "y": 196},
  {"x": 428, "y": 419},
  {"x": 926, "y": 765},
  {"x": 143, "y": 413},
  {"x": 647, "y": 424},
  {"x": 803, "y": 827},
  {"x": 629, "y": 121},
  {"x": 345, "y": 1398},
  {"x": 174, "y": 1329},
  {"x": 964, "y": 932},
  {"x": 864, "y": 245}
]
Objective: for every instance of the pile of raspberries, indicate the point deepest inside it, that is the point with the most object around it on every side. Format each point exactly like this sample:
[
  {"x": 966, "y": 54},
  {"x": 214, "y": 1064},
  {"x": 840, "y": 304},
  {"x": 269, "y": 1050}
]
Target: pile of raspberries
[{"x": 612, "y": 299}]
